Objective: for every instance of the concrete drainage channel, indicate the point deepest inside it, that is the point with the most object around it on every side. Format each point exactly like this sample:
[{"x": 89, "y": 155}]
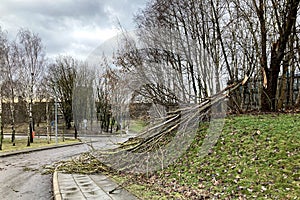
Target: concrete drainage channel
[{"x": 76, "y": 186}]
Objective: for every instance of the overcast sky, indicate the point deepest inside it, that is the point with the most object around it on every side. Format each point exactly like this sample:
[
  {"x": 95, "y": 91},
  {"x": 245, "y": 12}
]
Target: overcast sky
[{"x": 72, "y": 27}]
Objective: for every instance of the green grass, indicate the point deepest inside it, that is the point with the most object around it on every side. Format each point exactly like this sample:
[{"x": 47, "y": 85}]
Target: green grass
[
  {"x": 139, "y": 190},
  {"x": 41, "y": 129},
  {"x": 21, "y": 144},
  {"x": 256, "y": 157},
  {"x": 137, "y": 126}
]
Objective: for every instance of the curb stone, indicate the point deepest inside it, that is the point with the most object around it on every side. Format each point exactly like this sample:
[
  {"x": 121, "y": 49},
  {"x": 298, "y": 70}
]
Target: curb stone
[
  {"x": 56, "y": 190},
  {"x": 12, "y": 153}
]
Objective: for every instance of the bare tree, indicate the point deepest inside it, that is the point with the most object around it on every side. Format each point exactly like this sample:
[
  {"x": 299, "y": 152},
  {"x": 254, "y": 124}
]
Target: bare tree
[
  {"x": 270, "y": 26},
  {"x": 32, "y": 67},
  {"x": 11, "y": 76},
  {"x": 171, "y": 58},
  {"x": 3, "y": 42},
  {"x": 61, "y": 77}
]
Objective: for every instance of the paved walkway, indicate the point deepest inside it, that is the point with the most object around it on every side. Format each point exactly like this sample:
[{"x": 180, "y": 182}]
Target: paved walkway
[{"x": 77, "y": 187}]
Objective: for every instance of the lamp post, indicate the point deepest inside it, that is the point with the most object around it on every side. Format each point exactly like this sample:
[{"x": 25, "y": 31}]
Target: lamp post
[{"x": 55, "y": 107}]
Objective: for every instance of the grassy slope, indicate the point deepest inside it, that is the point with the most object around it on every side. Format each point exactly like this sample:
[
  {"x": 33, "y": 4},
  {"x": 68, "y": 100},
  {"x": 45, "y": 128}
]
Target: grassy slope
[{"x": 255, "y": 157}]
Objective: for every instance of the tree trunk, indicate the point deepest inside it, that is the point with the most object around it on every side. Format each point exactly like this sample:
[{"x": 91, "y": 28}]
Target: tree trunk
[
  {"x": 64, "y": 133},
  {"x": 30, "y": 123},
  {"x": 31, "y": 127},
  {"x": 291, "y": 86},
  {"x": 297, "y": 103},
  {"x": 48, "y": 122},
  {"x": 1, "y": 125},
  {"x": 282, "y": 93},
  {"x": 76, "y": 133},
  {"x": 269, "y": 92},
  {"x": 29, "y": 133},
  {"x": 12, "y": 110},
  {"x": 277, "y": 52}
]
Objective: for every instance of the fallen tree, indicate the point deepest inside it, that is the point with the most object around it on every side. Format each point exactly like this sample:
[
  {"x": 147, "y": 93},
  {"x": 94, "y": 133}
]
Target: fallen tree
[
  {"x": 147, "y": 151},
  {"x": 164, "y": 141}
]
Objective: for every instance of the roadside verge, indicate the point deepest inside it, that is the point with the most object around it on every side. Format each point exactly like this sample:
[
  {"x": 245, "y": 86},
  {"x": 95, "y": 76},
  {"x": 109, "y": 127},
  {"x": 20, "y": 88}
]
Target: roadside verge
[{"x": 24, "y": 151}]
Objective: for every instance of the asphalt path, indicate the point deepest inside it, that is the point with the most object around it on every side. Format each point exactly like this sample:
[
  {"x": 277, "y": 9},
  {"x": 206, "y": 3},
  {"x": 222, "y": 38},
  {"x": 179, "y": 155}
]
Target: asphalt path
[{"x": 22, "y": 176}]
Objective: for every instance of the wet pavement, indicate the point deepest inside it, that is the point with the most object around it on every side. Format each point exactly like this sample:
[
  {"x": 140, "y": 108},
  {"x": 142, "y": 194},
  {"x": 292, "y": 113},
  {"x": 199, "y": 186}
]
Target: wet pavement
[{"x": 23, "y": 177}]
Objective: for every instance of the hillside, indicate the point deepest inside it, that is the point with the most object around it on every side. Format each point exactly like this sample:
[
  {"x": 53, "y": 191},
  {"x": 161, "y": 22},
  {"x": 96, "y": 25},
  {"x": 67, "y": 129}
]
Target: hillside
[{"x": 257, "y": 156}]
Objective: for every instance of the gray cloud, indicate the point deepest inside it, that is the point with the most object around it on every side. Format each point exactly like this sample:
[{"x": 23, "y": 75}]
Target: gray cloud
[{"x": 73, "y": 27}]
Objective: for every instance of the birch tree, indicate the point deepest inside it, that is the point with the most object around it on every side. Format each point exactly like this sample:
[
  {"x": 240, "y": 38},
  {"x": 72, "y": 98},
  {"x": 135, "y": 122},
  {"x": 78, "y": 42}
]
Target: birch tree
[
  {"x": 32, "y": 67},
  {"x": 3, "y": 41},
  {"x": 11, "y": 74}
]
